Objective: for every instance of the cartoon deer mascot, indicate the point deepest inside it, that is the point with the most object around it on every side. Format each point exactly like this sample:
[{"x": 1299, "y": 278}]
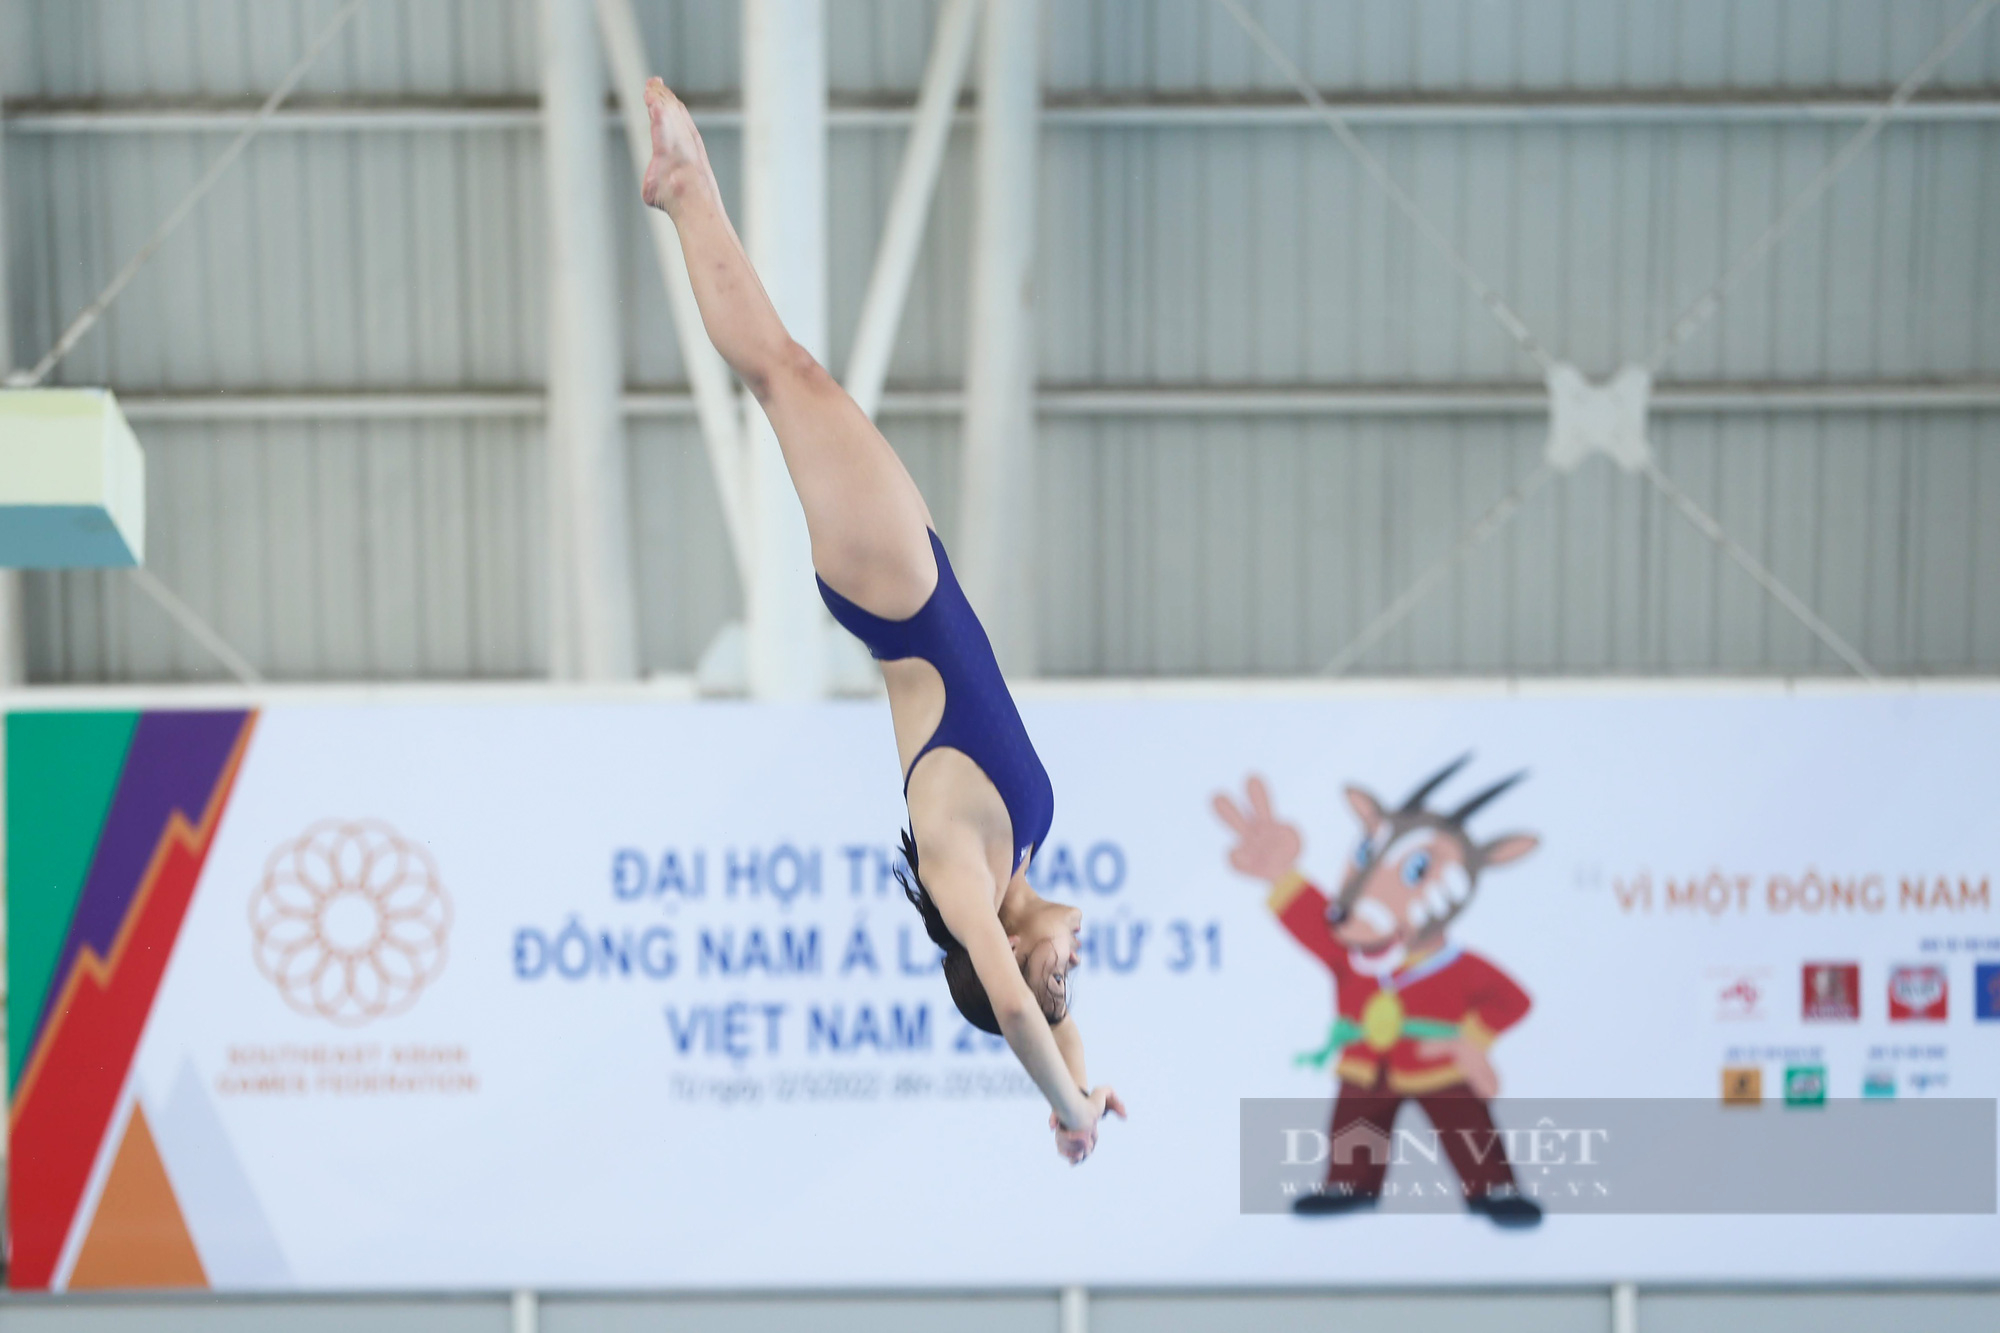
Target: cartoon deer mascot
[{"x": 1416, "y": 1014}]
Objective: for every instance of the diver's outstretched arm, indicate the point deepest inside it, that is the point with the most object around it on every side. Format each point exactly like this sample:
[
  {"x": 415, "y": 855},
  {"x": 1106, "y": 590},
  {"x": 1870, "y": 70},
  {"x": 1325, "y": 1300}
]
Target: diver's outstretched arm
[
  {"x": 867, "y": 519},
  {"x": 1070, "y": 1042},
  {"x": 958, "y": 885}
]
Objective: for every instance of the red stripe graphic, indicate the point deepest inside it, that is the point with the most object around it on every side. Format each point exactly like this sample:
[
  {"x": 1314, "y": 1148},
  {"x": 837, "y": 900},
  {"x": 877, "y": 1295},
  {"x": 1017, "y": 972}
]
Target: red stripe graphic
[{"x": 70, "y": 1088}]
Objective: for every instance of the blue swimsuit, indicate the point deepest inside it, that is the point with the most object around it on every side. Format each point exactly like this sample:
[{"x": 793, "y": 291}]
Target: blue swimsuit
[{"x": 980, "y": 720}]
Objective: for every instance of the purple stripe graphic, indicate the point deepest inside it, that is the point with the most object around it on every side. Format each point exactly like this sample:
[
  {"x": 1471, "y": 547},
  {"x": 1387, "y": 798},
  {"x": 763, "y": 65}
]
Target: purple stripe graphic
[{"x": 175, "y": 761}]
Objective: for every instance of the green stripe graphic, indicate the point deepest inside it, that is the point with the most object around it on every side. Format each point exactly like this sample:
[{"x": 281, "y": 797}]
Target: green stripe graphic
[{"x": 62, "y": 769}]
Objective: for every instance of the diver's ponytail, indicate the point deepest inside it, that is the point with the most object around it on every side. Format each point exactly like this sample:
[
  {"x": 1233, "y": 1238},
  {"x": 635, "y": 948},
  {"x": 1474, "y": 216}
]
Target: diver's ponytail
[{"x": 960, "y": 977}]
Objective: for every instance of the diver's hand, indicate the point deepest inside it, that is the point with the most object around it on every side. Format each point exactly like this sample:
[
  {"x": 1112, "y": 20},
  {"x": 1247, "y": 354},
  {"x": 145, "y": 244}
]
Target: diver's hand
[
  {"x": 1073, "y": 1144},
  {"x": 1077, "y": 1144}
]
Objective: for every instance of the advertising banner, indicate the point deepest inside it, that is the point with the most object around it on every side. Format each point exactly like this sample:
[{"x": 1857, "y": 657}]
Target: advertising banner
[{"x": 1398, "y": 989}]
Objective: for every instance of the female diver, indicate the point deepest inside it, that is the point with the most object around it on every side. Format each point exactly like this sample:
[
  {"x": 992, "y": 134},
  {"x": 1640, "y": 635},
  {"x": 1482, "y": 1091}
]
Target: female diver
[{"x": 979, "y": 800}]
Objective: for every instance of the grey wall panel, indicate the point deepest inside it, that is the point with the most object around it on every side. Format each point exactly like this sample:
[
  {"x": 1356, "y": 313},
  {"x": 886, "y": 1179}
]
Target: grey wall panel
[
  {"x": 877, "y": 47},
  {"x": 1496, "y": 45},
  {"x": 78, "y": 48},
  {"x": 353, "y": 551},
  {"x": 239, "y": 48},
  {"x": 203, "y": 1315},
  {"x": 1168, "y": 256},
  {"x": 685, "y": 574},
  {"x": 1245, "y": 547},
  {"x": 1165, "y": 547},
  {"x": 338, "y": 260},
  {"x": 1972, "y": 1311},
  {"x": 1490, "y": 1312},
  {"x": 1586, "y": 1311},
  {"x": 1265, "y": 255},
  {"x": 833, "y": 1314}
]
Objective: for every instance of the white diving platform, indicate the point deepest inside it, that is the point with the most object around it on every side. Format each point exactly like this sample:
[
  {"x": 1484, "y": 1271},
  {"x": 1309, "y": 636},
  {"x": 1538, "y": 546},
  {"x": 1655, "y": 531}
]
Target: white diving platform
[{"x": 72, "y": 481}]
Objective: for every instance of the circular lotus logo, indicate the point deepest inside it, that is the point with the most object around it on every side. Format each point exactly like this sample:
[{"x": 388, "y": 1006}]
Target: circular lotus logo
[{"x": 350, "y": 921}]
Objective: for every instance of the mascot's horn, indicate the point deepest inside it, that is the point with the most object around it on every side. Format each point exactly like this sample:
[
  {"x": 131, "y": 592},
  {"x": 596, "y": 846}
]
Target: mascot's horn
[
  {"x": 1466, "y": 811},
  {"x": 1415, "y": 800}
]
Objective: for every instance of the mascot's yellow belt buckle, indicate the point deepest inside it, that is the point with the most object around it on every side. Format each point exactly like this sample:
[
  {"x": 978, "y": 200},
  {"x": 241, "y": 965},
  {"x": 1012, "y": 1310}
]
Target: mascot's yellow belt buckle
[{"x": 1382, "y": 1020}]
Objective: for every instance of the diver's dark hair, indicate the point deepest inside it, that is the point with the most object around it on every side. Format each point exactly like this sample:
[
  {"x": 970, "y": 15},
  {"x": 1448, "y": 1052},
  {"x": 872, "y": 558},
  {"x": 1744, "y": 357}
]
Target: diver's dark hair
[{"x": 959, "y": 975}]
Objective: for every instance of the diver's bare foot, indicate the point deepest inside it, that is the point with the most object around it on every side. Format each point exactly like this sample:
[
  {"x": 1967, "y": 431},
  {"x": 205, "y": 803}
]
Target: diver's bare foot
[{"x": 680, "y": 162}]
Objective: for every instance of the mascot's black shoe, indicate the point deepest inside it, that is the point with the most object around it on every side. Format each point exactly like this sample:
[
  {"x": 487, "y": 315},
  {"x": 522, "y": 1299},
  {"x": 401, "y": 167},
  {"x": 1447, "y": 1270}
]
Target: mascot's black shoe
[
  {"x": 1507, "y": 1210},
  {"x": 1333, "y": 1205}
]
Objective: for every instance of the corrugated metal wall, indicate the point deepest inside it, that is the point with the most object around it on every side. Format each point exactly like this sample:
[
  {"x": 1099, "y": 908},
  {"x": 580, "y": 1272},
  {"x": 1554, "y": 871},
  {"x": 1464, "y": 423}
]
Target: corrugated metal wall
[
  {"x": 1171, "y": 257},
  {"x": 1239, "y": 547}
]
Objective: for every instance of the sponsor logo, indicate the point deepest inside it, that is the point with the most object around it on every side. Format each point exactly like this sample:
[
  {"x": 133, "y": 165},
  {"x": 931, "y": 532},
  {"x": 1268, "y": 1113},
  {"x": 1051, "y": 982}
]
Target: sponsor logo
[
  {"x": 350, "y": 921},
  {"x": 1832, "y": 992},
  {"x": 1739, "y": 994},
  {"x": 1805, "y": 1085},
  {"x": 1986, "y": 991},
  {"x": 1926, "y": 1082},
  {"x": 1742, "y": 1085},
  {"x": 1878, "y": 1083},
  {"x": 1917, "y": 994}
]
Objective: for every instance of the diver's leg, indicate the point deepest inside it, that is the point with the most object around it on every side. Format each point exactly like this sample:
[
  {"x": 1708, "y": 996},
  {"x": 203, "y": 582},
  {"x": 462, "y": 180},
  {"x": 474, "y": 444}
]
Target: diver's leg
[{"x": 866, "y": 518}]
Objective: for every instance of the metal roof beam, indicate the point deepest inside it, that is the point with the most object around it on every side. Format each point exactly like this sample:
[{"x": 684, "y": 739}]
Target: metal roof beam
[
  {"x": 1238, "y": 111},
  {"x": 1112, "y": 401}
]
